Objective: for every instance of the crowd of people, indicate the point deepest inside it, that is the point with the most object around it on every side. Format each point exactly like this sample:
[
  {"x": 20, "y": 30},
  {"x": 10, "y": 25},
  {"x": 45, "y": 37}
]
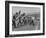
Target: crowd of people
[{"x": 21, "y": 19}]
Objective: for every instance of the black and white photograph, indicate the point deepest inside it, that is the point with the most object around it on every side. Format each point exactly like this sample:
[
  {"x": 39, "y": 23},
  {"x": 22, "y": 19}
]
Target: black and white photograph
[{"x": 25, "y": 18}]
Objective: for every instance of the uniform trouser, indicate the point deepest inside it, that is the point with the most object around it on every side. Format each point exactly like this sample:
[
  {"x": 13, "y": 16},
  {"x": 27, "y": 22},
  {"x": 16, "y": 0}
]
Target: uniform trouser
[
  {"x": 14, "y": 24},
  {"x": 32, "y": 22}
]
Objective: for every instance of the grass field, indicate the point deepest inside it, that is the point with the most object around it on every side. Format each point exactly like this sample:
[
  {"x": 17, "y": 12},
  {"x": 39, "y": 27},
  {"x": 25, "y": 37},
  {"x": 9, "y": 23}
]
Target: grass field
[{"x": 28, "y": 27}]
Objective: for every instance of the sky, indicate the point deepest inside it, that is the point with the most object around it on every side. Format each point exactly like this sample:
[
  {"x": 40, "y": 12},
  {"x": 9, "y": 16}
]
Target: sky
[{"x": 27, "y": 10}]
